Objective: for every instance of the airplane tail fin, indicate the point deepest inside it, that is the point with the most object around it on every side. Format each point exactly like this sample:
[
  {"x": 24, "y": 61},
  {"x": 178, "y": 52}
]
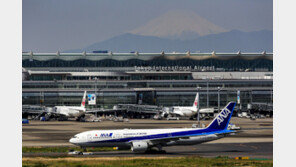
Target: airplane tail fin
[
  {"x": 196, "y": 100},
  {"x": 83, "y": 100},
  {"x": 222, "y": 119}
]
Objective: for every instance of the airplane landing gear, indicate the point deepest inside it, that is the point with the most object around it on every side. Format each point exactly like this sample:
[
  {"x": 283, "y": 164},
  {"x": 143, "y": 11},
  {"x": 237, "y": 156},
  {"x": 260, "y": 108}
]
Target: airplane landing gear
[
  {"x": 159, "y": 147},
  {"x": 160, "y": 150},
  {"x": 155, "y": 150},
  {"x": 62, "y": 118},
  {"x": 84, "y": 149}
]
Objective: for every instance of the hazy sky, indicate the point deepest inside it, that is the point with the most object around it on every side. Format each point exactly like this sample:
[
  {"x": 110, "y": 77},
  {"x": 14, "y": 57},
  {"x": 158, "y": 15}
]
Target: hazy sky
[{"x": 51, "y": 25}]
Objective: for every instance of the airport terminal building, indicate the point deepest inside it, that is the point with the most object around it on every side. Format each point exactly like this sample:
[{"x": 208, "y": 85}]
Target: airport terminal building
[{"x": 163, "y": 79}]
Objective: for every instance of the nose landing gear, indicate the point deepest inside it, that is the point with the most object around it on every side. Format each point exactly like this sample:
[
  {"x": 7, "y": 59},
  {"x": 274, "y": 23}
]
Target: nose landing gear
[{"x": 84, "y": 149}]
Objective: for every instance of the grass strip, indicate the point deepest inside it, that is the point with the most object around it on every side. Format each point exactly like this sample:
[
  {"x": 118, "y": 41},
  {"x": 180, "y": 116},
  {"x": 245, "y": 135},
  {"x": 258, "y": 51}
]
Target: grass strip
[{"x": 142, "y": 161}]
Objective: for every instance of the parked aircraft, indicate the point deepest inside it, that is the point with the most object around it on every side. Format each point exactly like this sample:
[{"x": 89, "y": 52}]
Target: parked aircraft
[
  {"x": 71, "y": 111},
  {"x": 187, "y": 111},
  {"x": 61, "y": 112}
]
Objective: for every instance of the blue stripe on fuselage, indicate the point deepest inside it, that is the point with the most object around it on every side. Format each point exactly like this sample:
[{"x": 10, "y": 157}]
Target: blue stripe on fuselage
[{"x": 198, "y": 132}]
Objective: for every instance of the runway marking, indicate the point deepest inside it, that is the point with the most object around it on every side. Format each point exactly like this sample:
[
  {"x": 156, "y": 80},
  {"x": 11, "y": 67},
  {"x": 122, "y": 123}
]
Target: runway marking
[
  {"x": 242, "y": 145},
  {"x": 256, "y": 148}
]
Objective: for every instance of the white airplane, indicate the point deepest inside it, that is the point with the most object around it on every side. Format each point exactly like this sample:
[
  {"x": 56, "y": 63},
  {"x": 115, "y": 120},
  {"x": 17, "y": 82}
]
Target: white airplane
[
  {"x": 71, "y": 111},
  {"x": 142, "y": 140},
  {"x": 187, "y": 111}
]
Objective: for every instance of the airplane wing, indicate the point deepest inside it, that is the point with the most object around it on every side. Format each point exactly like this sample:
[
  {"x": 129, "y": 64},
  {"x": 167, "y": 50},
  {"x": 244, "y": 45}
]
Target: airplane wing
[
  {"x": 174, "y": 114},
  {"x": 101, "y": 111},
  {"x": 166, "y": 140},
  {"x": 176, "y": 138}
]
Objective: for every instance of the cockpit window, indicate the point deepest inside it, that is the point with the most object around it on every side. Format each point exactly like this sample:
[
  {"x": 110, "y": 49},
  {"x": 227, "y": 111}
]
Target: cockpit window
[{"x": 75, "y": 136}]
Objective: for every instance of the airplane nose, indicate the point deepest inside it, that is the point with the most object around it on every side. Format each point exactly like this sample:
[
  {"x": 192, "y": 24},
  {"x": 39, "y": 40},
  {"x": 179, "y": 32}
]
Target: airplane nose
[{"x": 72, "y": 140}]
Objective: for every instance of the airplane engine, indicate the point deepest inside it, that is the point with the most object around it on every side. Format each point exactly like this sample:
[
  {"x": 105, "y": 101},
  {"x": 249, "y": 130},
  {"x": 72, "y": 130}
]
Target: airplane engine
[{"x": 139, "y": 146}]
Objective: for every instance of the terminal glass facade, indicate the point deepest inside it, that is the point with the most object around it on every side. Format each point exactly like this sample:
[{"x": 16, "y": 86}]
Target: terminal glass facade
[
  {"x": 51, "y": 80},
  {"x": 167, "y": 98}
]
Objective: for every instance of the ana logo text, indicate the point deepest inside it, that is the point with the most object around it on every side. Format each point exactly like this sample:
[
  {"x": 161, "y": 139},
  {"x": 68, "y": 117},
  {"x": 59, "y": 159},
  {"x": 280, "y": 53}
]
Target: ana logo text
[
  {"x": 223, "y": 115},
  {"x": 106, "y": 135}
]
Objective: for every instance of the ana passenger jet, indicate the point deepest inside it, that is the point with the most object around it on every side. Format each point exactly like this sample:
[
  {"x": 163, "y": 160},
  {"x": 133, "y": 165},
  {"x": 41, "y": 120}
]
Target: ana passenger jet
[{"x": 142, "y": 140}]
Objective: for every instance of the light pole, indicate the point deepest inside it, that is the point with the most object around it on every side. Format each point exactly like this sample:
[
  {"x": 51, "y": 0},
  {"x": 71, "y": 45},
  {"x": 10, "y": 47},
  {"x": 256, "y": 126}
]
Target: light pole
[
  {"x": 57, "y": 91},
  {"x": 219, "y": 88},
  {"x": 96, "y": 79},
  {"x": 207, "y": 93},
  {"x": 197, "y": 107}
]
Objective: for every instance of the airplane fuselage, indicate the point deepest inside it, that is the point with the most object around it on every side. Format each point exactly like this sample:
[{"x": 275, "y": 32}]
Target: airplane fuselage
[
  {"x": 184, "y": 111},
  {"x": 69, "y": 111},
  {"x": 122, "y": 138}
]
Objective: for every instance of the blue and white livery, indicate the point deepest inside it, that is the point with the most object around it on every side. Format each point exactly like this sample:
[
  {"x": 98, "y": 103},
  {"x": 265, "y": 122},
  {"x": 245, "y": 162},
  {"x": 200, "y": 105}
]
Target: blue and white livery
[{"x": 141, "y": 140}]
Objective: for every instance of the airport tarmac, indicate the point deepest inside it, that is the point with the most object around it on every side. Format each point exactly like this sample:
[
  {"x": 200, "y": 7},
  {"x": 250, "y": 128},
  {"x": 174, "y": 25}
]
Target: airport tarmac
[{"x": 255, "y": 139}]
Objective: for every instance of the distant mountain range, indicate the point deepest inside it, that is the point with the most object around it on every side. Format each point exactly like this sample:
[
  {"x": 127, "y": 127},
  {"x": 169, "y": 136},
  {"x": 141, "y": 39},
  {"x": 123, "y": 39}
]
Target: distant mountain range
[
  {"x": 178, "y": 24},
  {"x": 182, "y": 31},
  {"x": 231, "y": 41}
]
